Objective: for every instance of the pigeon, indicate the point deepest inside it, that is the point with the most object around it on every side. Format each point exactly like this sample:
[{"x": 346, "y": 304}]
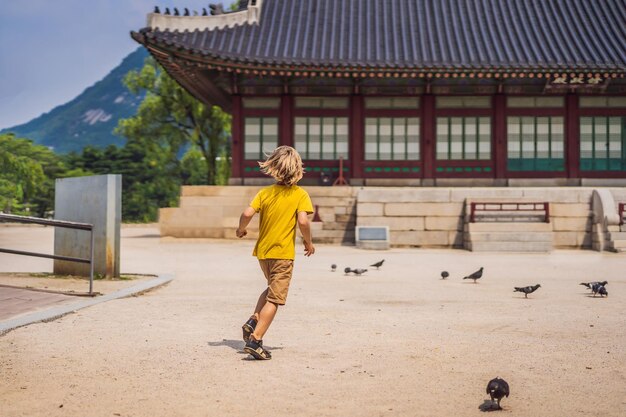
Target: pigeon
[
  {"x": 156, "y": 10},
  {"x": 186, "y": 12},
  {"x": 347, "y": 270},
  {"x": 444, "y": 274},
  {"x": 216, "y": 9},
  {"x": 176, "y": 12},
  {"x": 527, "y": 290},
  {"x": 167, "y": 10},
  {"x": 591, "y": 284},
  {"x": 598, "y": 288},
  {"x": 333, "y": 267},
  {"x": 204, "y": 12},
  {"x": 476, "y": 275},
  {"x": 357, "y": 271},
  {"x": 378, "y": 264},
  {"x": 498, "y": 388}
]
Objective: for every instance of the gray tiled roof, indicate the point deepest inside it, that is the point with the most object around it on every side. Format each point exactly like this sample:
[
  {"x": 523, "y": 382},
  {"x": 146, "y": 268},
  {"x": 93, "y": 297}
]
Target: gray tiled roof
[{"x": 457, "y": 34}]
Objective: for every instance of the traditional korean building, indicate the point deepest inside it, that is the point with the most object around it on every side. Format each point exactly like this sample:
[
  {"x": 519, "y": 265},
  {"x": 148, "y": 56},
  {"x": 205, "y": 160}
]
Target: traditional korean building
[{"x": 413, "y": 92}]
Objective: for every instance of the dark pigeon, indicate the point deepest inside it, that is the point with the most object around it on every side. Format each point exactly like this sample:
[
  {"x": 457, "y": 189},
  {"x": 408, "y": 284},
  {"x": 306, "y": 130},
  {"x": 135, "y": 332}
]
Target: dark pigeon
[
  {"x": 378, "y": 264},
  {"x": 591, "y": 284},
  {"x": 186, "y": 12},
  {"x": 204, "y": 12},
  {"x": 167, "y": 10},
  {"x": 333, "y": 267},
  {"x": 444, "y": 274},
  {"x": 476, "y": 275},
  {"x": 156, "y": 10},
  {"x": 176, "y": 12},
  {"x": 347, "y": 270},
  {"x": 216, "y": 9},
  {"x": 527, "y": 290},
  {"x": 498, "y": 388},
  {"x": 598, "y": 288}
]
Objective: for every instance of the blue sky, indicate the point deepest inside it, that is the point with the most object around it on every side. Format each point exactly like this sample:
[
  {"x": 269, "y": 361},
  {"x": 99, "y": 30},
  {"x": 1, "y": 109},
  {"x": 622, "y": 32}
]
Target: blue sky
[{"x": 50, "y": 51}]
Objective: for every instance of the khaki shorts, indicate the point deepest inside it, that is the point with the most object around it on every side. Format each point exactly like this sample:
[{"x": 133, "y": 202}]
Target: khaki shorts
[{"x": 278, "y": 275}]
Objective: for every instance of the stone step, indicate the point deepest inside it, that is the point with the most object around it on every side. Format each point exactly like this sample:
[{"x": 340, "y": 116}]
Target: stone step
[
  {"x": 617, "y": 235},
  {"x": 619, "y": 244},
  {"x": 508, "y": 227},
  {"x": 509, "y": 237},
  {"x": 509, "y": 246}
]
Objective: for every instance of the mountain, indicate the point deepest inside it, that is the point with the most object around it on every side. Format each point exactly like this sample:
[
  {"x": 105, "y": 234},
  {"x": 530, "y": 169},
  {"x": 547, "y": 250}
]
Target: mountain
[{"x": 90, "y": 118}]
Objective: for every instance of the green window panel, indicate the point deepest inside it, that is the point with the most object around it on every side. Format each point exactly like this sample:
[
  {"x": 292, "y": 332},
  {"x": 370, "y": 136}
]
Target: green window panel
[
  {"x": 463, "y": 138},
  {"x": 321, "y": 138},
  {"x": 535, "y": 143},
  {"x": 392, "y": 138},
  {"x": 260, "y": 137},
  {"x": 603, "y": 143}
]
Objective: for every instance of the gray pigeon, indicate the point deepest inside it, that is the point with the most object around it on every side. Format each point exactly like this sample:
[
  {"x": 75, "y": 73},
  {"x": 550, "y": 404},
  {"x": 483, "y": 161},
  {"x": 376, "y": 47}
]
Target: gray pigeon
[
  {"x": 527, "y": 290},
  {"x": 598, "y": 288},
  {"x": 333, "y": 267},
  {"x": 378, "y": 264},
  {"x": 444, "y": 274},
  {"x": 498, "y": 388},
  {"x": 476, "y": 275},
  {"x": 592, "y": 283},
  {"x": 357, "y": 271}
]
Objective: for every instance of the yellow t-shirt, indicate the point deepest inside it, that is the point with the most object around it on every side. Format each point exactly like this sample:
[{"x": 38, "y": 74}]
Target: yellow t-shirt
[{"x": 278, "y": 206}]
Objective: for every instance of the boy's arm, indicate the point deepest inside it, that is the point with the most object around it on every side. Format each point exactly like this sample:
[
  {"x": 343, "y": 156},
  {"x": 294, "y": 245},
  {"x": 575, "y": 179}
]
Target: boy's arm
[
  {"x": 244, "y": 220},
  {"x": 305, "y": 228}
]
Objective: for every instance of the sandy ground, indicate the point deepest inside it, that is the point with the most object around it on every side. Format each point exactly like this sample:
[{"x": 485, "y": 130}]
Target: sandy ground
[{"x": 394, "y": 342}]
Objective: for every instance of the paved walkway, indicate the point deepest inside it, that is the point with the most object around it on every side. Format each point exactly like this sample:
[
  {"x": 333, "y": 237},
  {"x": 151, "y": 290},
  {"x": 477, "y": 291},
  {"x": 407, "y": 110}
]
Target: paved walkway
[
  {"x": 395, "y": 342},
  {"x": 16, "y": 301}
]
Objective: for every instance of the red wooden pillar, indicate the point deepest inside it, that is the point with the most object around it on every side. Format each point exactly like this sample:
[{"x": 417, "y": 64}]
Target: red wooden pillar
[
  {"x": 499, "y": 142},
  {"x": 572, "y": 136},
  {"x": 237, "y": 139},
  {"x": 286, "y": 121},
  {"x": 428, "y": 136},
  {"x": 357, "y": 137}
]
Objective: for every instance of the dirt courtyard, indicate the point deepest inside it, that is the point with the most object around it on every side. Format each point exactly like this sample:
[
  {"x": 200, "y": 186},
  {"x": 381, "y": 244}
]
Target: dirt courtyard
[{"x": 398, "y": 341}]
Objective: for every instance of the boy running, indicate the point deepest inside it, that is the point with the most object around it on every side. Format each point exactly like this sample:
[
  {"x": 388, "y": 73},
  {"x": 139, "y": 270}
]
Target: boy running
[{"x": 281, "y": 207}]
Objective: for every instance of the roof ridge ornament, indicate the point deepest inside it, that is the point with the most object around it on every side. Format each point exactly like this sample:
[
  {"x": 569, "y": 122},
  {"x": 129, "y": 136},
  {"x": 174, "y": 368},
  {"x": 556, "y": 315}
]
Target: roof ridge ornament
[{"x": 248, "y": 15}]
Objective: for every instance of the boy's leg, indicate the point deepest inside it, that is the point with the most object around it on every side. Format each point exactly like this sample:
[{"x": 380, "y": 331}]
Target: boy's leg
[
  {"x": 266, "y": 315},
  {"x": 260, "y": 303}
]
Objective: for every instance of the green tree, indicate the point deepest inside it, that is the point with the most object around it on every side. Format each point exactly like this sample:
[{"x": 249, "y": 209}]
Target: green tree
[
  {"x": 172, "y": 118},
  {"x": 27, "y": 173}
]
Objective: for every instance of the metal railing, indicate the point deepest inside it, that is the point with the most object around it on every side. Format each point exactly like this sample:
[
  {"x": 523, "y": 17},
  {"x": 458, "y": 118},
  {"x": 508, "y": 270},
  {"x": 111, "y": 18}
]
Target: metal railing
[
  {"x": 56, "y": 223},
  {"x": 621, "y": 211},
  {"x": 491, "y": 206}
]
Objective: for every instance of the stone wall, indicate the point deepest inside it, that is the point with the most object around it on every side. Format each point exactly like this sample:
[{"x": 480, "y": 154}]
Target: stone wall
[{"x": 417, "y": 217}]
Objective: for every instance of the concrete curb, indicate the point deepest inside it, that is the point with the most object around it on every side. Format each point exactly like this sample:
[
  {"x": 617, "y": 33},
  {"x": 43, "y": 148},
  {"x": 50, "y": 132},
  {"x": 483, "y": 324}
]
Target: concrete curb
[{"x": 60, "y": 311}]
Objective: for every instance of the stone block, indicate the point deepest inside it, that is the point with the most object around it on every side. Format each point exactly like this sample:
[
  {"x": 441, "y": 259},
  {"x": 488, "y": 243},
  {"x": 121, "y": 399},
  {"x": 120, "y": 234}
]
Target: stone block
[
  {"x": 419, "y": 238},
  {"x": 565, "y": 239},
  {"x": 455, "y": 239},
  {"x": 572, "y": 224},
  {"x": 387, "y": 182},
  {"x": 509, "y": 237},
  {"x": 369, "y": 209},
  {"x": 394, "y": 223},
  {"x": 559, "y": 195},
  {"x": 327, "y": 214},
  {"x": 570, "y": 210},
  {"x": 332, "y": 201},
  {"x": 96, "y": 200},
  {"x": 460, "y": 194},
  {"x": 423, "y": 209},
  {"x": 444, "y": 223},
  {"x": 540, "y": 247},
  {"x": 345, "y": 218},
  {"x": 403, "y": 195},
  {"x": 508, "y": 227}
]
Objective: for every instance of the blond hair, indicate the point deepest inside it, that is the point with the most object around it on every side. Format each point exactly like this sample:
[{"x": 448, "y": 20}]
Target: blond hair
[{"x": 284, "y": 165}]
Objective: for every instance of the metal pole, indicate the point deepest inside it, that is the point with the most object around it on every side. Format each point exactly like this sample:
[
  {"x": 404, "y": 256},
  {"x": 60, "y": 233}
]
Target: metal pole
[{"x": 91, "y": 263}]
